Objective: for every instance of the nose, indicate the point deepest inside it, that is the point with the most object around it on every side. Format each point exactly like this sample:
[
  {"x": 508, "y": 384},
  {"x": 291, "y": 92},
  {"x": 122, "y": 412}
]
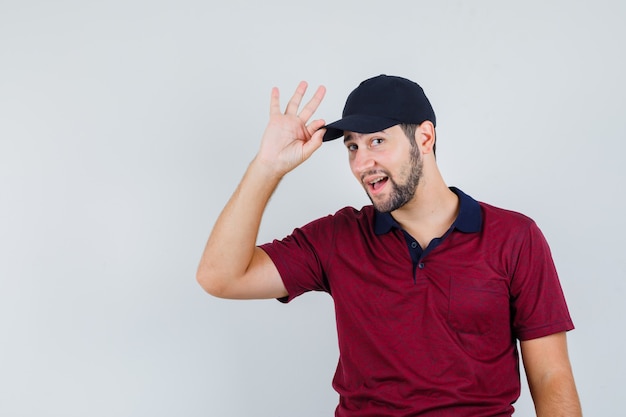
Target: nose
[{"x": 362, "y": 161}]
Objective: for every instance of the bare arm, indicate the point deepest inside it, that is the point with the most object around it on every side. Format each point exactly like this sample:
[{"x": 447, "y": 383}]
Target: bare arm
[
  {"x": 550, "y": 376},
  {"x": 231, "y": 265}
]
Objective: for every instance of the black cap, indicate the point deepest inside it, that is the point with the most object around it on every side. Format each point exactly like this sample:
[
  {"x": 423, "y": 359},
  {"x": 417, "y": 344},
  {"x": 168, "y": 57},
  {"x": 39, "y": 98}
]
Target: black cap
[{"x": 381, "y": 102}]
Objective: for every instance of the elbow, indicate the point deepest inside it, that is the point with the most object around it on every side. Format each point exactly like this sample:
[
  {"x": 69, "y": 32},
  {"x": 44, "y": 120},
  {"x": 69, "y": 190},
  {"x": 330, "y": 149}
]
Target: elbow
[{"x": 210, "y": 282}]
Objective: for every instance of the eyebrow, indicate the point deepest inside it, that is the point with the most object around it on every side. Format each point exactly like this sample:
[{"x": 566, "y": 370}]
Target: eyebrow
[{"x": 349, "y": 136}]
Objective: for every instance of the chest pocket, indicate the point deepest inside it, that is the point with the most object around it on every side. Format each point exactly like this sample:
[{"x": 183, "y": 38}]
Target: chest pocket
[{"x": 478, "y": 306}]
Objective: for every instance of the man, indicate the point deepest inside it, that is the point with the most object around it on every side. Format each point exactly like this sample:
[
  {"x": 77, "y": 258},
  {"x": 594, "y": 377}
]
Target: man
[{"x": 432, "y": 289}]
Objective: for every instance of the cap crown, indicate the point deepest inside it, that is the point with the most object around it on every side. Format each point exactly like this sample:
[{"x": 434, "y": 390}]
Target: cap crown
[
  {"x": 381, "y": 102},
  {"x": 391, "y": 97}
]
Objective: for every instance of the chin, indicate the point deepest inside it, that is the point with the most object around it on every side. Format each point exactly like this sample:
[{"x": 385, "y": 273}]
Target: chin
[{"x": 383, "y": 207}]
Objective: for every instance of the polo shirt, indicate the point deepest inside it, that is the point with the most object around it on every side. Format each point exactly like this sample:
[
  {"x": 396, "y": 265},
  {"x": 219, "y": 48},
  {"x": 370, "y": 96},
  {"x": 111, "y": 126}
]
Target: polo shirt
[{"x": 427, "y": 332}]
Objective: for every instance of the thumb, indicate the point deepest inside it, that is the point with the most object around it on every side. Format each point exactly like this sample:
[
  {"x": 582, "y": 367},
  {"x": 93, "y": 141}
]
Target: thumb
[{"x": 313, "y": 143}]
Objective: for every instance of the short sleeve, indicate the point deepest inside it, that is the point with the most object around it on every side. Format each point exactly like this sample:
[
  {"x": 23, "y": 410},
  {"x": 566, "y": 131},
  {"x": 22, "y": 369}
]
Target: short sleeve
[
  {"x": 538, "y": 303},
  {"x": 299, "y": 257}
]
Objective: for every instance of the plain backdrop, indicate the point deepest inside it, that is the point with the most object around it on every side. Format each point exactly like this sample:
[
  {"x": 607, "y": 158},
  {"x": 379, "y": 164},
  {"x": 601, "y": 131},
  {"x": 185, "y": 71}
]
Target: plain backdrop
[{"x": 126, "y": 125}]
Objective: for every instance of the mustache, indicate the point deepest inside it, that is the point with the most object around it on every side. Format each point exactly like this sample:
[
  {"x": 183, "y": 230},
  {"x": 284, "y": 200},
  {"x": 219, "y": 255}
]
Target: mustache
[{"x": 374, "y": 172}]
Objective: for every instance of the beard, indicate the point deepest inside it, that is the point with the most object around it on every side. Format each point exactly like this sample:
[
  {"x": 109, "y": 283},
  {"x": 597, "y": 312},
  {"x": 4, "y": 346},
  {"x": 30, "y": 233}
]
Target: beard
[{"x": 402, "y": 193}]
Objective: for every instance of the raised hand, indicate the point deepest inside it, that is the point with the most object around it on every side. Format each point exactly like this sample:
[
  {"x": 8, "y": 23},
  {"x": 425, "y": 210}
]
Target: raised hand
[{"x": 288, "y": 140}]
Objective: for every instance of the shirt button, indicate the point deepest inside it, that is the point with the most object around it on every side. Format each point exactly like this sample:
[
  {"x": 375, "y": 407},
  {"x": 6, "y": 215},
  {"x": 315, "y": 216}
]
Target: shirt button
[
  {"x": 421, "y": 265},
  {"x": 413, "y": 245}
]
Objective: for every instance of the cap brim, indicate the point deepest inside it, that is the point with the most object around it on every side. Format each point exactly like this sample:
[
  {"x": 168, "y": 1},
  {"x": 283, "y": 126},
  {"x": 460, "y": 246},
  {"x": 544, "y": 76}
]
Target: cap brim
[{"x": 357, "y": 123}]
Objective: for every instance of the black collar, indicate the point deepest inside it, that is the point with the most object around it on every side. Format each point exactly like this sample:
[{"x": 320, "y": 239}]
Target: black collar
[{"x": 469, "y": 220}]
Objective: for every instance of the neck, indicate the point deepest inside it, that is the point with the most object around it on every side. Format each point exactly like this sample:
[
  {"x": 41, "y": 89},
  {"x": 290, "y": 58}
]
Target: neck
[{"x": 432, "y": 210}]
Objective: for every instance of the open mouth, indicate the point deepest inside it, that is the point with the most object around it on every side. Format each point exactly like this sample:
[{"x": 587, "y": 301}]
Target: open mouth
[{"x": 377, "y": 184}]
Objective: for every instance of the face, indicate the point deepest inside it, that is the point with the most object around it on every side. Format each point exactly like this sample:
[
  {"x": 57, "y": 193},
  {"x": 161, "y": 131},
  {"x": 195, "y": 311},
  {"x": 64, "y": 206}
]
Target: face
[{"x": 387, "y": 164}]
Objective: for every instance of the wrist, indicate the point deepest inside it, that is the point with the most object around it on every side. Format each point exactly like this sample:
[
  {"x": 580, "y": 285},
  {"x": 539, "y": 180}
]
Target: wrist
[{"x": 266, "y": 169}]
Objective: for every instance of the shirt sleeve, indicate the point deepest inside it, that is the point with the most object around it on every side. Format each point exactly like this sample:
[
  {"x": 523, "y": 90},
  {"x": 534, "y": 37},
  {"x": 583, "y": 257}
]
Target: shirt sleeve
[
  {"x": 299, "y": 257},
  {"x": 538, "y": 303}
]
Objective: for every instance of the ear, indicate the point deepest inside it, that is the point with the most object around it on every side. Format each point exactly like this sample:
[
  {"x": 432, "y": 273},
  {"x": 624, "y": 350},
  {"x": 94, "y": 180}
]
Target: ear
[{"x": 425, "y": 137}]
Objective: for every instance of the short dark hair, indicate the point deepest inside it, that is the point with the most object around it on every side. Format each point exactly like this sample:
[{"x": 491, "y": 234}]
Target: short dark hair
[{"x": 409, "y": 131}]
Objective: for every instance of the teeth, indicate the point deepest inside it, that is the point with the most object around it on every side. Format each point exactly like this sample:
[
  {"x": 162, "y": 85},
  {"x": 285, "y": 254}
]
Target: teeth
[{"x": 377, "y": 180}]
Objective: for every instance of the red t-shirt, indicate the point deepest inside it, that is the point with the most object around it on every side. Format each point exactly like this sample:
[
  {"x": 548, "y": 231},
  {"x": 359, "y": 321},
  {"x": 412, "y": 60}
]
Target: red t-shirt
[{"x": 427, "y": 332}]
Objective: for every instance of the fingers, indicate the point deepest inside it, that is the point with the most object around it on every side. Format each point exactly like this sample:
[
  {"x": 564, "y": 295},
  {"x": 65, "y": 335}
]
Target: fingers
[
  {"x": 296, "y": 99},
  {"x": 294, "y": 103},
  {"x": 314, "y": 126},
  {"x": 313, "y": 104},
  {"x": 314, "y": 142},
  {"x": 275, "y": 101}
]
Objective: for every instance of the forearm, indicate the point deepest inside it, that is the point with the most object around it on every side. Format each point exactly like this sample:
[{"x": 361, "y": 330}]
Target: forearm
[
  {"x": 556, "y": 396},
  {"x": 550, "y": 376},
  {"x": 231, "y": 244}
]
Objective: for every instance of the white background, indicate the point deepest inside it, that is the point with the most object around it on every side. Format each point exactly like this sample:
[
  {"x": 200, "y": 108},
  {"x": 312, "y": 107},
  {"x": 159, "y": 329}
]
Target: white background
[{"x": 126, "y": 125}]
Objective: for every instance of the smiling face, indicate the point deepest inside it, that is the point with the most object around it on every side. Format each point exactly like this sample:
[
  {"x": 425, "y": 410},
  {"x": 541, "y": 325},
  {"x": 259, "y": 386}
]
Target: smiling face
[{"x": 387, "y": 164}]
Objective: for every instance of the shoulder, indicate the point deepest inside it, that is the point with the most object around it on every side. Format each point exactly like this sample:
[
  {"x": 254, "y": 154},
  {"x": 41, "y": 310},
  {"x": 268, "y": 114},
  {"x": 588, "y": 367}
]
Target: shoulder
[
  {"x": 500, "y": 216},
  {"x": 321, "y": 234},
  {"x": 474, "y": 215},
  {"x": 346, "y": 221},
  {"x": 347, "y": 214},
  {"x": 511, "y": 228},
  {"x": 351, "y": 213}
]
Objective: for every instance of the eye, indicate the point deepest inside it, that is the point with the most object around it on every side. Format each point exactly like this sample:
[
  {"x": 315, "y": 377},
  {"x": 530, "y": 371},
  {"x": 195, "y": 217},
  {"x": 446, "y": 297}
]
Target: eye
[
  {"x": 377, "y": 141},
  {"x": 351, "y": 147}
]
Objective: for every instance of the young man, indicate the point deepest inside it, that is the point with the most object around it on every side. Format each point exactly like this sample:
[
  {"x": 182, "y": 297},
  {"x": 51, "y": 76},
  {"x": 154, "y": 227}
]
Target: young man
[{"x": 432, "y": 289}]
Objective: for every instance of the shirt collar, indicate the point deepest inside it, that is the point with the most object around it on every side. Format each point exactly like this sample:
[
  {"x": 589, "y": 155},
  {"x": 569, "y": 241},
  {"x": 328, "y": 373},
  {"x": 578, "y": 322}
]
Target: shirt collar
[{"x": 469, "y": 219}]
